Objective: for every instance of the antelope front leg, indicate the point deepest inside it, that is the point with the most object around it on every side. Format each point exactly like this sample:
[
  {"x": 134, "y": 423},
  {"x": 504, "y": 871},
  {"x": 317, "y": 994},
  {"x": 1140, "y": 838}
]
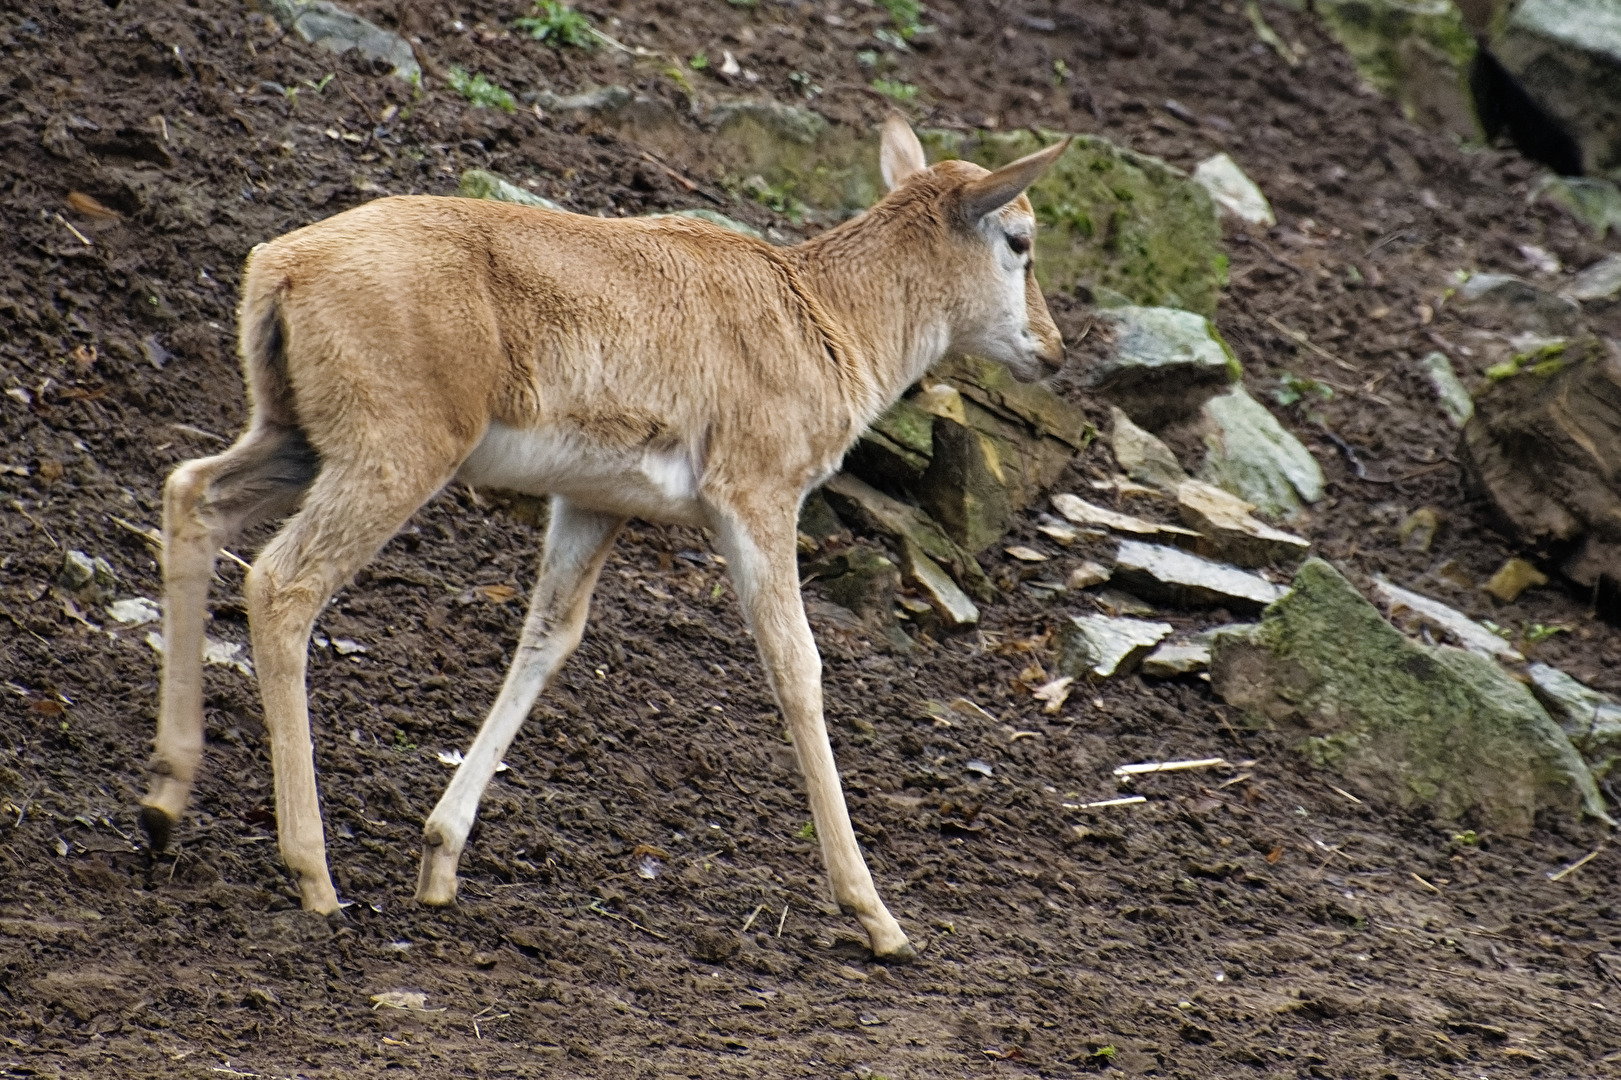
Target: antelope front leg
[
  {"x": 765, "y": 571},
  {"x": 577, "y": 543}
]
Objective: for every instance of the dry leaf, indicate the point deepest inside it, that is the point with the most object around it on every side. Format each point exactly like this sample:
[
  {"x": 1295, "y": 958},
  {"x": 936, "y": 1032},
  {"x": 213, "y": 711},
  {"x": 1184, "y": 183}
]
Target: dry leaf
[
  {"x": 1025, "y": 554},
  {"x": 1274, "y": 855},
  {"x": 1032, "y": 676},
  {"x": 1024, "y": 645},
  {"x": 963, "y": 707},
  {"x": 400, "y": 999},
  {"x": 496, "y": 594},
  {"x": 1054, "y": 693},
  {"x": 90, "y": 207}
]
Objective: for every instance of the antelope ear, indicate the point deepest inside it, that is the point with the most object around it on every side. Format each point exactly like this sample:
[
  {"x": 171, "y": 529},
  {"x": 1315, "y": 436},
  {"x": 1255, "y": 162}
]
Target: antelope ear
[
  {"x": 992, "y": 192},
  {"x": 900, "y": 154}
]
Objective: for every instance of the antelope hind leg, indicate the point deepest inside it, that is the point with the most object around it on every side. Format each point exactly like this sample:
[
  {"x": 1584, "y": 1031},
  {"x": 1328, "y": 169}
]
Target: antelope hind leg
[{"x": 205, "y": 503}]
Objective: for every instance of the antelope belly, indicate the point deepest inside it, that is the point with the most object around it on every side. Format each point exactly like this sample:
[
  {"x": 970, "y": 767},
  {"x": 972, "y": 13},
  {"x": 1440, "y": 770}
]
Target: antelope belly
[{"x": 656, "y": 484}]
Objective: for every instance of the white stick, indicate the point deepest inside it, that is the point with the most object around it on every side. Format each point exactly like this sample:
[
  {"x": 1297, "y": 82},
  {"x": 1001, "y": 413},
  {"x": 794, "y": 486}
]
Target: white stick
[
  {"x": 1168, "y": 766},
  {"x": 1575, "y": 866},
  {"x": 1123, "y": 801}
]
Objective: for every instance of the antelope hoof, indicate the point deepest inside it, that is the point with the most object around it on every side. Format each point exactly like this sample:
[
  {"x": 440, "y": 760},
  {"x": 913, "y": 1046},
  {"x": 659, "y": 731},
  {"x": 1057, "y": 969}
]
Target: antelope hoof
[
  {"x": 904, "y": 953},
  {"x": 164, "y": 803},
  {"x": 157, "y": 825},
  {"x": 887, "y": 939},
  {"x": 436, "y": 881},
  {"x": 319, "y": 895}
]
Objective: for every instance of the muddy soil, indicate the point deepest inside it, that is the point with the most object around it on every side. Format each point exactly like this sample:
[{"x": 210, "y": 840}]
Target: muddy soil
[{"x": 639, "y": 898}]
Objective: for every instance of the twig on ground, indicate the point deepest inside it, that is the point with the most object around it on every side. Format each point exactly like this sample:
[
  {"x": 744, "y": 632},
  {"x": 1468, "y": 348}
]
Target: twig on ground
[
  {"x": 671, "y": 173},
  {"x": 151, "y": 536},
  {"x": 1299, "y": 337},
  {"x": 155, "y": 538},
  {"x": 1424, "y": 883},
  {"x": 1346, "y": 794},
  {"x": 1144, "y": 767},
  {"x": 202, "y": 433},
  {"x": 1575, "y": 866},
  {"x": 621, "y": 46},
  {"x": 19, "y": 624},
  {"x": 1124, "y": 800},
  {"x": 1350, "y": 453},
  {"x": 1228, "y": 726},
  {"x": 782, "y": 921},
  {"x": 748, "y": 922},
  {"x": 81, "y": 237},
  {"x": 597, "y": 907},
  {"x": 22, "y": 811},
  {"x": 18, "y": 506}
]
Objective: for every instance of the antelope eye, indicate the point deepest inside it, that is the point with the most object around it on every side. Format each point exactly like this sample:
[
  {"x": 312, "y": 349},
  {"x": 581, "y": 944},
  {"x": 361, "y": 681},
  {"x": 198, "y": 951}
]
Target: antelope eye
[{"x": 1019, "y": 244}]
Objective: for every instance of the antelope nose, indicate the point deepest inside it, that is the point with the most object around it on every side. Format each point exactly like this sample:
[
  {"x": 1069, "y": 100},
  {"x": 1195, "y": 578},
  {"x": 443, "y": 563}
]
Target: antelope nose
[{"x": 1051, "y": 351}]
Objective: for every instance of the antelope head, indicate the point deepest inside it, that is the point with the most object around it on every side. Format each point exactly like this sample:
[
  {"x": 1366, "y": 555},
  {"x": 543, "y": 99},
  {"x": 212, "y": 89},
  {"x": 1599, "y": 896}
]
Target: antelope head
[{"x": 996, "y": 309}]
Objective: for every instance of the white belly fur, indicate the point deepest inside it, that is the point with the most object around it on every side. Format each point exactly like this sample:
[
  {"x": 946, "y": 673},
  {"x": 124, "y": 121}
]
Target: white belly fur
[{"x": 658, "y": 485}]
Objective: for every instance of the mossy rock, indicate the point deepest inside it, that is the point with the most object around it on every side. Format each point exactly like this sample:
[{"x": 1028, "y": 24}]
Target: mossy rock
[
  {"x": 1423, "y": 726},
  {"x": 1567, "y": 55},
  {"x": 1417, "y": 52}
]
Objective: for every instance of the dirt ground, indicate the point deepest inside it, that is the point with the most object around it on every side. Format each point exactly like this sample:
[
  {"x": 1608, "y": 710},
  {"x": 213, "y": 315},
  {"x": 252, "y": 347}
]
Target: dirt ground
[{"x": 638, "y": 899}]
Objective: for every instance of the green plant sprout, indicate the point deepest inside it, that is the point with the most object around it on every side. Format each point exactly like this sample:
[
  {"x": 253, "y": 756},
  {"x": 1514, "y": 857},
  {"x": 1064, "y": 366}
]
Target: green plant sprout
[
  {"x": 1296, "y": 387},
  {"x": 481, "y": 91},
  {"x": 902, "y": 92},
  {"x": 558, "y": 25},
  {"x": 907, "y": 16},
  {"x": 801, "y": 81}
]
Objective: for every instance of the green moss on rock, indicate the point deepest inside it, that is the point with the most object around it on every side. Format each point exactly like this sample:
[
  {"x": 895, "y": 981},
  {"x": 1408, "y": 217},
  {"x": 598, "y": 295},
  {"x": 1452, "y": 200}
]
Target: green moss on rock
[
  {"x": 1415, "y": 51},
  {"x": 1436, "y": 727}
]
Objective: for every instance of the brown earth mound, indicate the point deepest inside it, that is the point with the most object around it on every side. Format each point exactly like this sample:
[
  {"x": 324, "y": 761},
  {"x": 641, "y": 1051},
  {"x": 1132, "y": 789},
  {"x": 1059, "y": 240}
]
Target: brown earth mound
[{"x": 638, "y": 899}]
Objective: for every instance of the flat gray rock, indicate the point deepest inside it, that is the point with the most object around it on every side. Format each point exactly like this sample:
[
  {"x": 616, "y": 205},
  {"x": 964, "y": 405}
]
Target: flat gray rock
[
  {"x": 1253, "y": 456},
  {"x": 1081, "y": 512},
  {"x": 1404, "y": 605},
  {"x": 1449, "y": 391},
  {"x": 1567, "y": 55},
  {"x": 1233, "y": 191},
  {"x": 482, "y": 184},
  {"x": 1515, "y": 305},
  {"x": 1145, "y": 458},
  {"x": 1177, "y": 658},
  {"x": 1601, "y": 281},
  {"x": 598, "y": 99},
  {"x": 1165, "y": 363},
  {"x": 1168, "y": 575},
  {"x": 1102, "y": 646},
  {"x": 949, "y": 602},
  {"x": 1228, "y": 531},
  {"x": 1591, "y": 719},
  {"x": 1594, "y": 202},
  {"x": 322, "y": 23}
]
